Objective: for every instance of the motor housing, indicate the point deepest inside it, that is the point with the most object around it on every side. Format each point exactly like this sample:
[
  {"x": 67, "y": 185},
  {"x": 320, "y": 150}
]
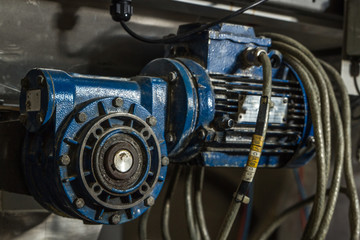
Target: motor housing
[{"x": 97, "y": 148}]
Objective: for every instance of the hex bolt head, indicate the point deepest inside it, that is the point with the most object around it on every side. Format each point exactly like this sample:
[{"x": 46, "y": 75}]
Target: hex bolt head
[
  {"x": 170, "y": 137},
  {"x": 81, "y": 117},
  {"x": 40, "y": 80},
  {"x": 150, "y": 201},
  {"x": 230, "y": 123},
  {"x": 172, "y": 76},
  {"x": 79, "y": 203},
  {"x": 118, "y": 102},
  {"x": 40, "y": 117},
  {"x": 65, "y": 160},
  {"x": 115, "y": 219},
  {"x": 151, "y": 121},
  {"x": 165, "y": 161},
  {"x": 311, "y": 141}
]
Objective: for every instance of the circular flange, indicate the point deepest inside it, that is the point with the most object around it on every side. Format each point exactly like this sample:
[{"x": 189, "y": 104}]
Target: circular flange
[{"x": 115, "y": 161}]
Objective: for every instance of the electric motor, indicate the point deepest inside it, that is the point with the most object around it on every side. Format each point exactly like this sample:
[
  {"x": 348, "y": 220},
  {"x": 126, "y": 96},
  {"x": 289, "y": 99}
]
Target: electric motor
[{"x": 97, "y": 148}]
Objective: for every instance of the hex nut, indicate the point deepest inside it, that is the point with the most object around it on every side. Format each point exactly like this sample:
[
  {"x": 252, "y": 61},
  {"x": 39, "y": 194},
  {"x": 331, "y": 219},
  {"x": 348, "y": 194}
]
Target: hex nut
[
  {"x": 79, "y": 203},
  {"x": 150, "y": 201},
  {"x": 165, "y": 161},
  {"x": 311, "y": 141},
  {"x": 81, "y": 117},
  {"x": 115, "y": 219},
  {"x": 65, "y": 160},
  {"x": 151, "y": 121},
  {"x": 118, "y": 102}
]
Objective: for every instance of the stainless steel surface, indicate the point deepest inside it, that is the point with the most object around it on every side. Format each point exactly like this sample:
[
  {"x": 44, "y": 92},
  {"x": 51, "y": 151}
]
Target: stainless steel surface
[{"x": 123, "y": 161}]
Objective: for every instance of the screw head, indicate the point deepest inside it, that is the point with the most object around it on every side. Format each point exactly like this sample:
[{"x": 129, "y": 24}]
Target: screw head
[
  {"x": 79, "y": 203},
  {"x": 150, "y": 201},
  {"x": 40, "y": 117},
  {"x": 311, "y": 141},
  {"x": 170, "y": 137},
  {"x": 151, "y": 121},
  {"x": 172, "y": 76},
  {"x": 165, "y": 161},
  {"x": 65, "y": 160},
  {"x": 115, "y": 219},
  {"x": 81, "y": 117},
  {"x": 118, "y": 102}
]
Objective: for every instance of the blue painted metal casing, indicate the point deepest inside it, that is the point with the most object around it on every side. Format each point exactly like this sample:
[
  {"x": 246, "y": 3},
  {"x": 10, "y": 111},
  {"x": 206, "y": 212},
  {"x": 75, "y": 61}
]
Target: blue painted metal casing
[
  {"x": 236, "y": 87},
  {"x": 198, "y": 105},
  {"x": 78, "y": 120}
]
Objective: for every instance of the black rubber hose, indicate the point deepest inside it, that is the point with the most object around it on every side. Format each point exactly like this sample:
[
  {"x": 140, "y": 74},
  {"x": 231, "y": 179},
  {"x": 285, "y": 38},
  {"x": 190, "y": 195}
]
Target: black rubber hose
[
  {"x": 143, "y": 225},
  {"x": 167, "y": 203},
  {"x": 189, "y": 210},
  {"x": 257, "y": 143},
  {"x": 280, "y": 219},
  {"x": 200, "y": 173}
]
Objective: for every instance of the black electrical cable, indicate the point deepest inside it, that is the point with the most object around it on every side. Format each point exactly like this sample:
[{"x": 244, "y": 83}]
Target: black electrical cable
[
  {"x": 166, "y": 208},
  {"x": 356, "y": 86},
  {"x": 198, "y": 203},
  {"x": 280, "y": 219},
  {"x": 189, "y": 210},
  {"x": 143, "y": 225},
  {"x": 178, "y": 38},
  {"x": 256, "y": 147}
]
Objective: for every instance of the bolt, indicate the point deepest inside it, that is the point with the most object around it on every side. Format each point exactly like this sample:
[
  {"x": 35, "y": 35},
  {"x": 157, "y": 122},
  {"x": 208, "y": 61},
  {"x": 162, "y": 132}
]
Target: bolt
[
  {"x": 150, "y": 201},
  {"x": 172, "y": 76},
  {"x": 170, "y": 137},
  {"x": 23, "y": 118},
  {"x": 311, "y": 141},
  {"x": 81, "y": 117},
  {"x": 165, "y": 161},
  {"x": 285, "y": 100},
  {"x": 151, "y": 121},
  {"x": 202, "y": 134},
  {"x": 230, "y": 123},
  {"x": 118, "y": 102},
  {"x": 40, "y": 117},
  {"x": 40, "y": 79},
  {"x": 115, "y": 219},
  {"x": 79, "y": 203},
  {"x": 65, "y": 160}
]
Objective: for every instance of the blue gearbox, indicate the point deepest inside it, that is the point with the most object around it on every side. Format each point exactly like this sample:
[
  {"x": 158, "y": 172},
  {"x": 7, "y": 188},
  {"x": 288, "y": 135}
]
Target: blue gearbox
[{"x": 97, "y": 148}]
